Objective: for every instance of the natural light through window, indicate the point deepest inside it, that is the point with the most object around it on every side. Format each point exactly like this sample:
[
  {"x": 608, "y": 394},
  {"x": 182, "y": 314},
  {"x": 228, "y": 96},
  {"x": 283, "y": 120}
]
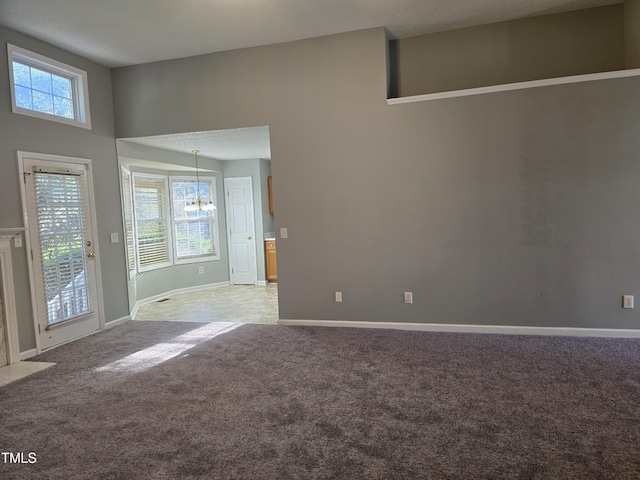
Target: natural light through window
[
  {"x": 44, "y": 88},
  {"x": 161, "y": 352}
]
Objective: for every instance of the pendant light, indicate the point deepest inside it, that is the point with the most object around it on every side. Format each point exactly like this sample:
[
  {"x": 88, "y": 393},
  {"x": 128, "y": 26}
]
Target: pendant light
[{"x": 199, "y": 204}]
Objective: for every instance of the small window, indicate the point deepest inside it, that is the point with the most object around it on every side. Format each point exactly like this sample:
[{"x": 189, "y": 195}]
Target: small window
[
  {"x": 44, "y": 88},
  {"x": 151, "y": 210},
  {"x": 195, "y": 224}
]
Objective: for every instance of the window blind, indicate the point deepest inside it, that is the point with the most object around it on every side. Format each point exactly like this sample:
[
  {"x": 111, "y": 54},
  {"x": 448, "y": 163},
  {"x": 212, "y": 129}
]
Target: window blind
[
  {"x": 152, "y": 235},
  {"x": 63, "y": 226}
]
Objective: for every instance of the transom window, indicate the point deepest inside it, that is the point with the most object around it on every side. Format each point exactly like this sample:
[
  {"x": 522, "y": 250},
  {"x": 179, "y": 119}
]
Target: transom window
[{"x": 44, "y": 88}]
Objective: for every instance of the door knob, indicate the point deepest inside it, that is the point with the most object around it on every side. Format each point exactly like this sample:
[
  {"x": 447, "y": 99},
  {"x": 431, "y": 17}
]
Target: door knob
[
  {"x": 91, "y": 255},
  {"x": 249, "y": 237}
]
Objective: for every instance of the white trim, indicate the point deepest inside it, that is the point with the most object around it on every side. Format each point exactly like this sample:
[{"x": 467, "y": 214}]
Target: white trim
[
  {"x": 590, "y": 77},
  {"x": 261, "y": 283},
  {"x": 11, "y": 316},
  {"x": 117, "y": 321},
  {"x": 170, "y": 293},
  {"x": 460, "y": 328},
  {"x": 79, "y": 85},
  {"x": 27, "y": 354}
]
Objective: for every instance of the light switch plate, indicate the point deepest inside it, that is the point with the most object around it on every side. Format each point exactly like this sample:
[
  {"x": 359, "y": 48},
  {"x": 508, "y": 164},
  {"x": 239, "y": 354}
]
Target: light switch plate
[
  {"x": 283, "y": 233},
  {"x": 17, "y": 240}
]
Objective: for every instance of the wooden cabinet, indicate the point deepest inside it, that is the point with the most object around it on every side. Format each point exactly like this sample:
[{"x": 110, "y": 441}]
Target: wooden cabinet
[
  {"x": 270, "y": 256},
  {"x": 270, "y": 185}
]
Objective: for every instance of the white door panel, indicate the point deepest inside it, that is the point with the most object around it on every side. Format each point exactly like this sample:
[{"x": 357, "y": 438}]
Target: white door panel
[
  {"x": 63, "y": 242},
  {"x": 241, "y": 231}
]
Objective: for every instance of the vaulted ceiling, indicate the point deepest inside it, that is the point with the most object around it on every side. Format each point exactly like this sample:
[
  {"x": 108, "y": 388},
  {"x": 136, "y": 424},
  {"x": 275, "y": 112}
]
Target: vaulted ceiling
[{"x": 126, "y": 32}]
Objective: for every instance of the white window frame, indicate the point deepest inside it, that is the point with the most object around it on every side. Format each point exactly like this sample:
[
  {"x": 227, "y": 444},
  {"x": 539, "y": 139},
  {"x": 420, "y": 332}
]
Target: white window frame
[
  {"x": 127, "y": 195},
  {"x": 79, "y": 86},
  {"x": 168, "y": 222},
  {"x": 216, "y": 229}
]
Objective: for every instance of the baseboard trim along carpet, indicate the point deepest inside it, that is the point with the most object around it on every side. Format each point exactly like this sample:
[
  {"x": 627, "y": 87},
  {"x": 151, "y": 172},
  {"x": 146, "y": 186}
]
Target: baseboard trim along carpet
[
  {"x": 117, "y": 321},
  {"x": 459, "y": 328},
  {"x": 177, "y": 291}
]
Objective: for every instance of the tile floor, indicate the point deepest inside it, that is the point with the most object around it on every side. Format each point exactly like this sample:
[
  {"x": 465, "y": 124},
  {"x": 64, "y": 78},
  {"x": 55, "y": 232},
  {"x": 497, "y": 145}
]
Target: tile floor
[
  {"x": 237, "y": 304},
  {"x": 16, "y": 371}
]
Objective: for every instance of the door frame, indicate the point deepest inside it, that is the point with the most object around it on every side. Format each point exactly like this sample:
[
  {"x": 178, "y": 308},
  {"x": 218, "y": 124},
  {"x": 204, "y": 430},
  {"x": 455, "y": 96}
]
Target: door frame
[
  {"x": 227, "y": 224},
  {"x": 86, "y": 162}
]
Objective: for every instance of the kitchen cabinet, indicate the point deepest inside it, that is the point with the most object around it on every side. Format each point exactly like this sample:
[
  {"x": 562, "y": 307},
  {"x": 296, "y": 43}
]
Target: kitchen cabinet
[{"x": 270, "y": 257}]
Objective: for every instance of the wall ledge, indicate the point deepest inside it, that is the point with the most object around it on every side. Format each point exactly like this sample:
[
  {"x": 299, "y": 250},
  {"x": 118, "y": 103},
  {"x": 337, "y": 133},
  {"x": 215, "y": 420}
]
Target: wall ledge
[
  {"x": 460, "y": 328},
  {"x": 590, "y": 77}
]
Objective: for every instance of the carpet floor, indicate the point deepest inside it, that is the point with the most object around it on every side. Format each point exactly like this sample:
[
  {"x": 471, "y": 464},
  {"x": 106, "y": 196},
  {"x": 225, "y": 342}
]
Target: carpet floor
[{"x": 169, "y": 400}]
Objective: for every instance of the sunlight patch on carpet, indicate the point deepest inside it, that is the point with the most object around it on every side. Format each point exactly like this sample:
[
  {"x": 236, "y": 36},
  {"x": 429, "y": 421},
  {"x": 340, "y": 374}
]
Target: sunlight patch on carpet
[{"x": 161, "y": 352}]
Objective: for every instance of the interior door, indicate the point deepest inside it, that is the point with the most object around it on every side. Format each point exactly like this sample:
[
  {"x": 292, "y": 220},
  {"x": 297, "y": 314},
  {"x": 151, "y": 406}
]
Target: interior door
[
  {"x": 63, "y": 264},
  {"x": 241, "y": 231}
]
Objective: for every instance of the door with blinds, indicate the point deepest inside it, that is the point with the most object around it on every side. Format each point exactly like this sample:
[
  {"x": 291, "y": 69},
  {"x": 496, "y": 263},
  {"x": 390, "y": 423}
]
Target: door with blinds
[{"x": 63, "y": 248}]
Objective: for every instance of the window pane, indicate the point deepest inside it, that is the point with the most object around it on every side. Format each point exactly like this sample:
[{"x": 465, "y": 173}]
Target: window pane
[
  {"x": 40, "y": 80},
  {"x": 21, "y": 75},
  {"x": 61, "y": 86},
  {"x": 194, "y": 230},
  {"x": 23, "y": 97},
  {"x": 42, "y": 102},
  {"x": 62, "y": 107}
]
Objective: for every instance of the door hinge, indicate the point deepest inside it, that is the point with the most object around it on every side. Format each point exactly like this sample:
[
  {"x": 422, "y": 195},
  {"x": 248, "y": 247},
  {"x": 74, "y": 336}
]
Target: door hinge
[
  {"x": 39, "y": 329},
  {"x": 32, "y": 255},
  {"x": 233, "y": 270}
]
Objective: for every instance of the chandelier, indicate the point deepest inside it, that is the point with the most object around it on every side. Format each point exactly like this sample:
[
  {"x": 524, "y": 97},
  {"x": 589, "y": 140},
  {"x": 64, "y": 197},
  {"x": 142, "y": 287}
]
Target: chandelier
[{"x": 200, "y": 204}]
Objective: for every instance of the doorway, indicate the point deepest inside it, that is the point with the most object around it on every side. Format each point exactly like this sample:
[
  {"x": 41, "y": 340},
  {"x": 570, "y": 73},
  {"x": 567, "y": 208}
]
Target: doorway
[
  {"x": 241, "y": 231},
  {"x": 62, "y": 244}
]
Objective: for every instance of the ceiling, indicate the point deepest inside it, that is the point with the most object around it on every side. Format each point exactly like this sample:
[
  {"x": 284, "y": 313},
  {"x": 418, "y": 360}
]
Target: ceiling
[
  {"x": 126, "y": 32},
  {"x": 233, "y": 144}
]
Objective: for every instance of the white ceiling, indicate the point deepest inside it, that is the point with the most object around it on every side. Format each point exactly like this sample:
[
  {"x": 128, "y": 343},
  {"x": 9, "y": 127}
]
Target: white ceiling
[
  {"x": 126, "y": 32},
  {"x": 233, "y": 144}
]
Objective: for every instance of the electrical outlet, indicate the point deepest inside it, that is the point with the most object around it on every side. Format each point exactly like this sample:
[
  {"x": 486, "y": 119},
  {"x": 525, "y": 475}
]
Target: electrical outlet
[
  {"x": 114, "y": 237},
  {"x": 338, "y": 297},
  {"x": 408, "y": 297},
  {"x": 200, "y": 270},
  {"x": 627, "y": 301},
  {"x": 17, "y": 240}
]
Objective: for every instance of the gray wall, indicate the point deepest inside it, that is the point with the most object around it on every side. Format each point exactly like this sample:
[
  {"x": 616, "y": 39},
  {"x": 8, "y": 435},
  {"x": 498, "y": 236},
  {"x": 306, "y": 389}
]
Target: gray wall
[
  {"x": 157, "y": 282},
  {"x": 20, "y": 132},
  {"x": 513, "y": 208},
  {"x": 252, "y": 168},
  {"x": 573, "y": 43},
  {"x": 632, "y": 33}
]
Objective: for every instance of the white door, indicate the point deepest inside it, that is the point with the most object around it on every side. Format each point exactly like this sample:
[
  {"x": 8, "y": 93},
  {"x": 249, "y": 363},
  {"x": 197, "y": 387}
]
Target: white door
[
  {"x": 241, "y": 231},
  {"x": 61, "y": 234}
]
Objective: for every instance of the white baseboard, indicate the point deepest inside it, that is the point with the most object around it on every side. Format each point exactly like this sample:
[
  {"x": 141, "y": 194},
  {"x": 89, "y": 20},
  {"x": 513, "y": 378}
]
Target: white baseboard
[
  {"x": 28, "y": 354},
  {"x": 261, "y": 283},
  {"x": 496, "y": 329},
  {"x": 117, "y": 321},
  {"x": 170, "y": 293}
]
